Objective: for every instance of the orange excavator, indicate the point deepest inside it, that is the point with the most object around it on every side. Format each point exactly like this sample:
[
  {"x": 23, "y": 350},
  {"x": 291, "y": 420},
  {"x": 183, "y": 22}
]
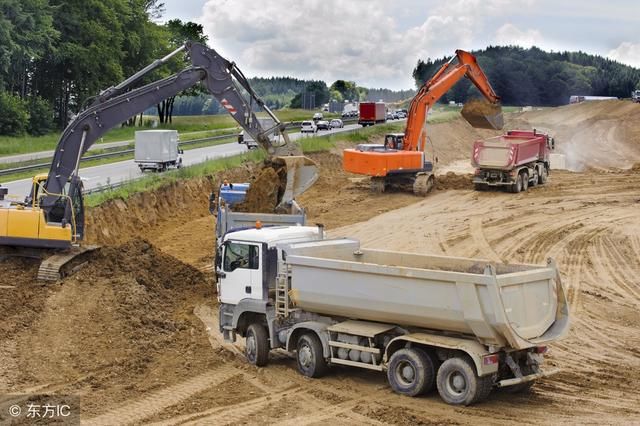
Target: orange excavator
[{"x": 399, "y": 163}]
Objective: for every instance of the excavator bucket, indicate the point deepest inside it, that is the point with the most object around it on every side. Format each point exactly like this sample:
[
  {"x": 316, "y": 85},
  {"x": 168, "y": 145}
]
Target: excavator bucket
[
  {"x": 302, "y": 172},
  {"x": 483, "y": 115}
]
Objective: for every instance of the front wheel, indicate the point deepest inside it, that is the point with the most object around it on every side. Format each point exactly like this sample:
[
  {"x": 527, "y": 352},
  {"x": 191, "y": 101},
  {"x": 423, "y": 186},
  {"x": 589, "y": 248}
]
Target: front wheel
[
  {"x": 544, "y": 174},
  {"x": 311, "y": 362},
  {"x": 458, "y": 383},
  {"x": 411, "y": 372},
  {"x": 257, "y": 345}
]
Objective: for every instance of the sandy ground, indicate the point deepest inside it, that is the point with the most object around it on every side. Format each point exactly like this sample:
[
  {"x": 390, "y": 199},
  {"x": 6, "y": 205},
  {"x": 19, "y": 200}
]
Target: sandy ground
[{"x": 135, "y": 333}]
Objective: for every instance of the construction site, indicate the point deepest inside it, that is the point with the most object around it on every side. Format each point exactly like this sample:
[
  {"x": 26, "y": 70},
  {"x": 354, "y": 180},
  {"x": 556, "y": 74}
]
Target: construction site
[{"x": 135, "y": 332}]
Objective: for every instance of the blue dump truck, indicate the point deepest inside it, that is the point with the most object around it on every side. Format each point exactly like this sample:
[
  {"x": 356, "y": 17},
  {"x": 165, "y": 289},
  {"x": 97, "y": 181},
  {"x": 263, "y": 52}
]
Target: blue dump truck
[{"x": 231, "y": 194}]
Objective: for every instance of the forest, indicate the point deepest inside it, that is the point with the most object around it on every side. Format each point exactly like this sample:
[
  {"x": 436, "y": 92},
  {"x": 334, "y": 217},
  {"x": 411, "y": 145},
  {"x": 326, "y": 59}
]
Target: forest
[
  {"x": 57, "y": 55},
  {"x": 535, "y": 77}
]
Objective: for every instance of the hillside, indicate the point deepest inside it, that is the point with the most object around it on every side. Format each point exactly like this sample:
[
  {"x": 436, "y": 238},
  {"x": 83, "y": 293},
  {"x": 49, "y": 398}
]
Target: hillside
[{"x": 535, "y": 77}]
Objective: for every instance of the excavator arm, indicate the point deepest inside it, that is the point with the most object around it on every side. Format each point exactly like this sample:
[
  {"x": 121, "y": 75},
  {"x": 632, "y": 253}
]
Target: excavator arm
[
  {"x": 443, "y": 80},
  {"x": 113, "y": 106}
]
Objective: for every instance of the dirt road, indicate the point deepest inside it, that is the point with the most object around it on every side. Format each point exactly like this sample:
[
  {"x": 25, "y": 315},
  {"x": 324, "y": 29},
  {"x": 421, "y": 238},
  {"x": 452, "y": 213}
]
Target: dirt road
[{"x": 135, "y": 334}]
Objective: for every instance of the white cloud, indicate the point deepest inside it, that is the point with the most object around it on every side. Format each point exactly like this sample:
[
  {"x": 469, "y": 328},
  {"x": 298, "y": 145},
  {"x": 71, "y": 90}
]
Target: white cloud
[
  {"x": 509, "y": 34},
  {"x": 627, "y": 53},
  {"x": 355, "y": 40}
]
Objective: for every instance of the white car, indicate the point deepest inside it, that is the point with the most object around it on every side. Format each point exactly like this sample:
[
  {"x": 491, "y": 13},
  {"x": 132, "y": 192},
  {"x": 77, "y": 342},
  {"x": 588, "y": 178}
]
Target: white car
[
  {"x": 336, "y": 123},
  {"x": 308, "y": 127}
]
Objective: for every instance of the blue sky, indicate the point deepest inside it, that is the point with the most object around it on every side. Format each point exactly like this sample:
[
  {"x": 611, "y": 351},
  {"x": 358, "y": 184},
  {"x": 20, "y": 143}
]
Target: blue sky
[{"x": 377, "y": 42}]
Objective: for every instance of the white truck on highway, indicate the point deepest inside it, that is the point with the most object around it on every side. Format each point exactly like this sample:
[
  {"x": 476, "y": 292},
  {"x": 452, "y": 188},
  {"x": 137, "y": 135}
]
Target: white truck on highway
[
  {"x": 157, "y": 150},
  {"x": 462, "y": 326}
]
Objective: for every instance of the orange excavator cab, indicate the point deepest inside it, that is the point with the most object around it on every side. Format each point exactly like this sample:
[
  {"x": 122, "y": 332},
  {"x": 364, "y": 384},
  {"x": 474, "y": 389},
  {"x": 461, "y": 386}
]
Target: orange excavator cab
[{"x": 400, "y": 163}]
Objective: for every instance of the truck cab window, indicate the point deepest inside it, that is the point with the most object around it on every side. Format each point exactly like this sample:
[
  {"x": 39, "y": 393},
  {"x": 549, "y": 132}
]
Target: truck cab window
[{"x": 238, "y": 255}]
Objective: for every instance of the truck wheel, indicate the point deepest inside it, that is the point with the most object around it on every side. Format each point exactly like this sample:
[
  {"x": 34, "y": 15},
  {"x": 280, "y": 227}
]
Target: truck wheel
[
  {"x": 257, "y": 345},
  {"x": 517, "y": 185},
  {"x": 411, "y": 372},
  {"x": 535, "y": 178},
  {"x": 311, "y": 362},
  {"x": 544, "y": 173},
  {"x": 525, "y": 181},
  {"x": 458, "y": 383}
]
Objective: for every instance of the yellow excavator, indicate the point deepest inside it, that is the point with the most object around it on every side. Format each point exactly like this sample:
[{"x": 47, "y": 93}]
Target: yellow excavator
[{"x": 52, "y": 215}]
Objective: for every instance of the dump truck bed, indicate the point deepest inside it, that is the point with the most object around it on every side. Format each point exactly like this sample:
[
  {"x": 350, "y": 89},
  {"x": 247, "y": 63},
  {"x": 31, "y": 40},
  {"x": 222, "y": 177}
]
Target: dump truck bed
[
  {"x": 508, "y": 151},
  {"x": 516, "y": 306}
]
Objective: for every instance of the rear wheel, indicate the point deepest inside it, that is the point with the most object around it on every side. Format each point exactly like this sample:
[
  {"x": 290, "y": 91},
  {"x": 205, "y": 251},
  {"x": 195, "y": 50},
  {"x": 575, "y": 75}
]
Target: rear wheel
[
  {"x": 311, "y": 362},
  {"x": 544, "y": 174},
  {"x": 411, "y": 372},
  {"x": 458, "y": 383},
  {"x": 257, "y": 345},
  {"x": 517, "y": 185},
  {"x": 535, "y": 178},
  {"x": 525, "y": 181}
]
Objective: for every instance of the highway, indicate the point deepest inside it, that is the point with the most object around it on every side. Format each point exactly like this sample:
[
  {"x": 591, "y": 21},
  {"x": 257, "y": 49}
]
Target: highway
[{"x": 127, "y": 170}]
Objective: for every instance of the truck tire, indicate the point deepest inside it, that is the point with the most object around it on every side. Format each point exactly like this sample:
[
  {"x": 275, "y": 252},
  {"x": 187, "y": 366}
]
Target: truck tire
[
  {"x": 458, "y": 383},
  {"x": 411, "y": 372},
  {"x": 535, "y": 178},
  {"x": 309, "y": 356},
  {"x": 542, "y": 178},
  {"x": 517, "y": 185},
  {"x": 257, "y": 345},
  {"x": 525, "y": 181}
]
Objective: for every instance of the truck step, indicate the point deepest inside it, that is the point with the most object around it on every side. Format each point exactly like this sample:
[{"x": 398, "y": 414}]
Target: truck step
[
  {"x": 336, "y": 344},
  {"x": 356, "y": 364}
]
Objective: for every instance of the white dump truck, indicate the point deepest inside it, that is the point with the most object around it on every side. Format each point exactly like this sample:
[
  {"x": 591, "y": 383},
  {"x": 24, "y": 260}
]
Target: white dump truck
[
  {"x": 157, "y": 150},
  {"x": 463, "y": 326}
]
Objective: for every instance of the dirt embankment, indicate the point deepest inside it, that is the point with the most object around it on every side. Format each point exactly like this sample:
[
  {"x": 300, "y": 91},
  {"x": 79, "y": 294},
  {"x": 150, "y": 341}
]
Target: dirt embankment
[{"x": 123, "y": 334}]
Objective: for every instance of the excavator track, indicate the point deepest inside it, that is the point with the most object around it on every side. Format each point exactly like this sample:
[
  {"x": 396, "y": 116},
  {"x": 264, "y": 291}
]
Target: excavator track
[
  {"x": 52, "y": 268},
  {"x": 423, "y": 184}
]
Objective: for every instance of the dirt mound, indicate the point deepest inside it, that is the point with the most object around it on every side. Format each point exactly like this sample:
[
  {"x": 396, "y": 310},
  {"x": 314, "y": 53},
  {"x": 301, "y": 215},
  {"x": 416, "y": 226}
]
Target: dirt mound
[
  {"x": 265, "y": 190},
  {"x": 453, "y": 180},
  {"x": 597, "y": 134},
  {"x": 122, "y": 325}
]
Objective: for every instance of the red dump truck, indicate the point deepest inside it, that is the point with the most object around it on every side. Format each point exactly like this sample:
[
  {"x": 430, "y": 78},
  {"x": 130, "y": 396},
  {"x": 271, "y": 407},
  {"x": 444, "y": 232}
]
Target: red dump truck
[
  {"x": 517, "y": 160},
  {"x": 372, "y": 113}
]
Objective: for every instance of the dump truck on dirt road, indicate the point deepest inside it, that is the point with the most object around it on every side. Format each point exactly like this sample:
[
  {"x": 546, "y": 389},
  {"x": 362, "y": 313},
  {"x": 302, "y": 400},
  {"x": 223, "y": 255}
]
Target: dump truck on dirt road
[
  {"x": 517, "y": 160},
  {"x": 463, "y": 326}
]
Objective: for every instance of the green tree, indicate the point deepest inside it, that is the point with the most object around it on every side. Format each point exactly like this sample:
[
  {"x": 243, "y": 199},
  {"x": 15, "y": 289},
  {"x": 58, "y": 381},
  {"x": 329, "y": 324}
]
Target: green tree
[
  {"x": 179, "y": 33},
  {"x": 13, "y": 115},
  {"x": 312, "y": 96},
  {"x": 40, "y": 117}
]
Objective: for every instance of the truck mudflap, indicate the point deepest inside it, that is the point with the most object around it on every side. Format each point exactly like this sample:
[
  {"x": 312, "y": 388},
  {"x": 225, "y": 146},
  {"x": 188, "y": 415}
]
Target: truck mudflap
[{"x": 527, "y": 378}]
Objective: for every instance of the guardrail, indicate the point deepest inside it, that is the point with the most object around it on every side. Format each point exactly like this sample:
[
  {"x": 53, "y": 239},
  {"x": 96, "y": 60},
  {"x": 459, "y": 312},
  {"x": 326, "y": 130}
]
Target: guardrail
[
  {"x": 108, "y": 155},
  {"x": 13, "y": 170}
]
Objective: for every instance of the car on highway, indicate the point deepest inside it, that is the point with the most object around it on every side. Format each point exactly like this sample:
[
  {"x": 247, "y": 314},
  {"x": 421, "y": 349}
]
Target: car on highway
[
  {"x": 317, "y": 116},
  {"x": 308, "y": 126},
  {"x": 390, "y": 116},
  {"x": 323, "y": 125},
  {"x": 336, "y": 123},
  {"x": 401, "y": 114}
]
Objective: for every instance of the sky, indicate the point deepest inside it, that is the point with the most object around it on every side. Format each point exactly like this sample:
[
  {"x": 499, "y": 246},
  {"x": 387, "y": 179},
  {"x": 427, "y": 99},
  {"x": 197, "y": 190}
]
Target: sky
[{"x": 377, "y": 43}]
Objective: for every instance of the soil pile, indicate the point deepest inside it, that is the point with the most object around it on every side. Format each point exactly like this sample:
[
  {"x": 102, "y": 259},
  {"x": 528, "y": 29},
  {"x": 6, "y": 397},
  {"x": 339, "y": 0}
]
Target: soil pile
[
  {"x": 264, "y": 192},
  {"x": 453, "y": 180},
  {"x": 119, "y": 327}
]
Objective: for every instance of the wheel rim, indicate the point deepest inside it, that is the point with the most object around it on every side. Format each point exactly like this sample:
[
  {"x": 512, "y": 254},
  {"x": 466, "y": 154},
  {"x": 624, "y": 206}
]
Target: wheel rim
[
  {"x": 456, "y": 383},
  {"x": 251, "y": 347},
  {"x": 405, "y": 373},
  {"x": 305, "y": 357}
]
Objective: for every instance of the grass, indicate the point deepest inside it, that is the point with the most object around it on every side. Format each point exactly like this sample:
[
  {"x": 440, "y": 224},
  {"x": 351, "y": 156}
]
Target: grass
[
  {"x": 309, "y": 145},
  {"x": 13, "y": 145}
]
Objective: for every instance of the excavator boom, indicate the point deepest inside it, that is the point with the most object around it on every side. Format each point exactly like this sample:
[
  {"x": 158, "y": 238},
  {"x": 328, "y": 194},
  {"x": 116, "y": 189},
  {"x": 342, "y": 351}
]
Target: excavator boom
[
  {"x": 52, "y": 216},
  {"x": 400, "y": 162}
]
